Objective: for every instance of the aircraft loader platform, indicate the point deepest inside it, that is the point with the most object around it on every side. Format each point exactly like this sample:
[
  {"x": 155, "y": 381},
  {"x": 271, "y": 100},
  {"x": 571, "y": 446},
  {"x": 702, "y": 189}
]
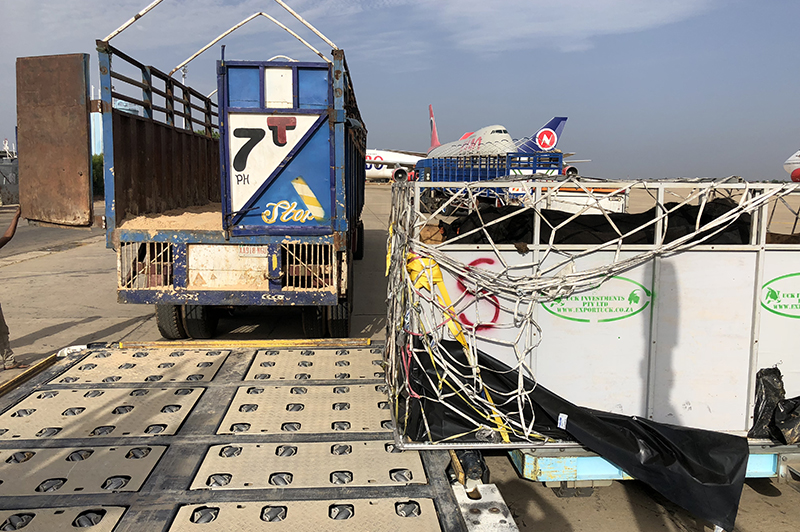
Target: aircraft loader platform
[{"x": 288, "y": 434}]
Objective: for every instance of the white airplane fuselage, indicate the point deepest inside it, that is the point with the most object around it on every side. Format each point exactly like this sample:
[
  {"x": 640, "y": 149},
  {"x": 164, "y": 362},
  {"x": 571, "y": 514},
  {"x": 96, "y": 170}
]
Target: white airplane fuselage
[
  {"x": 792, "y": 165},
  {"x": 490, "y": 140}
]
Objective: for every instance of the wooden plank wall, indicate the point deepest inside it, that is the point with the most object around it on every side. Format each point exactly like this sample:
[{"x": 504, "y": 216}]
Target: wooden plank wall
[{"x": 159, "y": 167}]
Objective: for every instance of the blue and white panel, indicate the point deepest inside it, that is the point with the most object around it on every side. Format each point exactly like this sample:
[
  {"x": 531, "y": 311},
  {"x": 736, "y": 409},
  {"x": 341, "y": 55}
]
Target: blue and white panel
[
  {"x": 258, "y": 145},
  {"x": 278, "y": 157}
]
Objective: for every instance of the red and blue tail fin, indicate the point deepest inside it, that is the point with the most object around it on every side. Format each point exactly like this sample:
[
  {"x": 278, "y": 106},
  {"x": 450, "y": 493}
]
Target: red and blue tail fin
[{"x": 546, "y": 138}]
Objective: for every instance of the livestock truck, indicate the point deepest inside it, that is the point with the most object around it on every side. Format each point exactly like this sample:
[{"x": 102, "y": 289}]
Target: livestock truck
[{"x": 253, "y": 200}]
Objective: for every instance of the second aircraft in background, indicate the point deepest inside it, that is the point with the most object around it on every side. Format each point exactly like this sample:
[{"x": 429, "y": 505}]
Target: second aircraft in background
[
  {"x": 792, "y": 165},
  {"x": 490, "y": 140}
]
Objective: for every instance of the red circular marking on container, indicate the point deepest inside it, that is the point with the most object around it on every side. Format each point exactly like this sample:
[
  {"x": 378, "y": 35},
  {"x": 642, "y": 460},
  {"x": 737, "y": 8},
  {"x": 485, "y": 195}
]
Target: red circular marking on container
[{"x": 491, "y": 297}]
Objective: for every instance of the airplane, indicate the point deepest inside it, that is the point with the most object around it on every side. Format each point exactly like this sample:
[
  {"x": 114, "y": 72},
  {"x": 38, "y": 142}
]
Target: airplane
[
  {"x": 490, "y": 140},
  {"x": 394, "y": 164},
  {"x": 495, "y": 140},
  {"x": 792, "y": 165}
]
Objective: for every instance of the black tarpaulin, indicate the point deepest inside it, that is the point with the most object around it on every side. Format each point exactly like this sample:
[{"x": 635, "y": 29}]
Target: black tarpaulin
[
  {"x": 700, "y": 470},
  {"x": 593, "y": 229}
]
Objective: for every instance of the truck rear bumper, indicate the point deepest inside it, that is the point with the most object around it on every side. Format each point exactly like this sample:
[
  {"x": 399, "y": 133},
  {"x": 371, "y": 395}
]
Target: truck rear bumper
[{"x": 226, "y": 298}]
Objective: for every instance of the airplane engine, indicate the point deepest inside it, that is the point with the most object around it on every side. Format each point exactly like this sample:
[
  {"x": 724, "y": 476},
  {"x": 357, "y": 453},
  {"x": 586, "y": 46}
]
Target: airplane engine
[
  {"x": 570, "y": 171},
  {"x": 796, "y": 175},
  {"x": 401, "y": 174}
]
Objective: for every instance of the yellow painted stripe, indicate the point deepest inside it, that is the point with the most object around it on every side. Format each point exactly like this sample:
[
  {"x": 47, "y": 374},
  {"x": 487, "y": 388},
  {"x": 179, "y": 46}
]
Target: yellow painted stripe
[
  {"x": 308, "y": 197},
  {"x": 27, "y": 374},
  {"x": 254, "y": 344}
]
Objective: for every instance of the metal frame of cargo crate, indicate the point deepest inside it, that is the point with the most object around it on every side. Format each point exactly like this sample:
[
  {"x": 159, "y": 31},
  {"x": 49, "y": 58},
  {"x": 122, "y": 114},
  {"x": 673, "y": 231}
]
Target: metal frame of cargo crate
[
  {"x": 471, "y": 168},
  {"x": 562, "y": 461}
]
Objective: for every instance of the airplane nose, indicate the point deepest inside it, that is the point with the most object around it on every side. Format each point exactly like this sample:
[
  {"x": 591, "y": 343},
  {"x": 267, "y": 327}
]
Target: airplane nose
[{"x": 796, "y": 175}]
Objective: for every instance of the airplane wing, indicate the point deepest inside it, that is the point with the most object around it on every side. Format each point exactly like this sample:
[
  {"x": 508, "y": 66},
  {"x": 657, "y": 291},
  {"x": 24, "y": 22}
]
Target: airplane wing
[
  {"x": 570, "y": 154},
  {"x": 393, "y": 158}
]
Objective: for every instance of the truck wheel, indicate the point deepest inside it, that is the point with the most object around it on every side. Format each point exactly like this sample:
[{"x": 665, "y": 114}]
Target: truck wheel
[
  {"x": 358, "y": 252},
  {"x": 170, "y": 323},
  {"x": 314, "y": 322},
  {"x": 200, "y": 321},
  {"x": 339, "y": 320}
]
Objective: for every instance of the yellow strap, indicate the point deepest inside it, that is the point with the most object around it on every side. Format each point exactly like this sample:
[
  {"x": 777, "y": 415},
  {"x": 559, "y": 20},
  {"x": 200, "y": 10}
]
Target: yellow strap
[
  {"x": 423, "y": 270},
  {"x": 496, "y": 418},
  {"x": 389, "y": 250}
]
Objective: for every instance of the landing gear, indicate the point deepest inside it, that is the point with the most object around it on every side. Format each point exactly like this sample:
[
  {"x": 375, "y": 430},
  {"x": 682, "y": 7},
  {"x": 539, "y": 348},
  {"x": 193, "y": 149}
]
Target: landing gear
[{"x": 169, "y": 319}]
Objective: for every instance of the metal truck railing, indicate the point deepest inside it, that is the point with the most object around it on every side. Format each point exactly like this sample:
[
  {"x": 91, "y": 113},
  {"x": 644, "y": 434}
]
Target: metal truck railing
[{"x": 150, "y": 144}]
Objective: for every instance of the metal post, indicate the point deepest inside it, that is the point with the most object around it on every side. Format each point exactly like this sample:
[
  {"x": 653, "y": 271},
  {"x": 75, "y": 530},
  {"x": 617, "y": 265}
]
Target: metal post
[
  {"x": 652, "y": 348},
  {"x": 339, "y": 88},
  {"x": 108, "y": 140},
  {"x": 136, "y": 17},
  {"x": 187, "y": 109},
  {"x": 207, "y": 118},
  {"x": 147, "y": 93},
  {"x": 759, "y": 218},
  {"x": 170, "y": 102}
]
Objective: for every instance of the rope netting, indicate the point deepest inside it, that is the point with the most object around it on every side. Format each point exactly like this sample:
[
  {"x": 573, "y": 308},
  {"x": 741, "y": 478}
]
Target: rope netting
[{"x": 540, "y": 235}]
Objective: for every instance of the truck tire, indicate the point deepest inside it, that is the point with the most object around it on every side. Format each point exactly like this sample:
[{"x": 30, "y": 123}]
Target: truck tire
[
  {"x": 170, "y": 322},
  {"x": 314, "y": 322},
  {"x": 200, "y": 321},
  {"x": 358, "y": 251},
  {"x": 339, "y": 320}
]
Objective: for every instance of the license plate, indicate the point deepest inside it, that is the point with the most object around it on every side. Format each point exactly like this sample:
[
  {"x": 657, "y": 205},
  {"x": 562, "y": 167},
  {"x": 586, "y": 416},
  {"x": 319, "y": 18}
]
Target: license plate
[{"x": 253, "y": 251}]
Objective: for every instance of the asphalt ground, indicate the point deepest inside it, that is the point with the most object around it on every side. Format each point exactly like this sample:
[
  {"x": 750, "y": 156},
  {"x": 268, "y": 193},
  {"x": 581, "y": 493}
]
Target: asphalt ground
[{"x": 58, "y": 288}]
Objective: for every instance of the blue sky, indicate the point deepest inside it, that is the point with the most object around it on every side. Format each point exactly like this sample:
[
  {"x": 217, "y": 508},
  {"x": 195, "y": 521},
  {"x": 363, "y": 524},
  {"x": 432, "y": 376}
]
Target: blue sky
[{"x": 652, "y": 89}]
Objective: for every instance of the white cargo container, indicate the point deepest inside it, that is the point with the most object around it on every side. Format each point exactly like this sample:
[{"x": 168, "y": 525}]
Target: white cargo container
[{"x": 676, "y": 334}]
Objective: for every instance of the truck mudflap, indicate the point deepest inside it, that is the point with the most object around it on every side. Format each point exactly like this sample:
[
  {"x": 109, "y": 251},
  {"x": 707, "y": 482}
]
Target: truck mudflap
[{"x": 173, "y": 436}]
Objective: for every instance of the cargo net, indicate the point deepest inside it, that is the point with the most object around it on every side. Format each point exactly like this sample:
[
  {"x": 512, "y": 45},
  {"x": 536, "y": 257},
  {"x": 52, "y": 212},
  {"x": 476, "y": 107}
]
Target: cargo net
[{"x": 445, "y": 389}]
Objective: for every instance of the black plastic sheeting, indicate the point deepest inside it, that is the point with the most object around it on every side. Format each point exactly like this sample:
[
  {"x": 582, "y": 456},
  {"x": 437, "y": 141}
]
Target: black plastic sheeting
[
  {"x": 595, "y": 228},
  {"x": 775, "y": 417},
  {"x": 700, "y": 470}
]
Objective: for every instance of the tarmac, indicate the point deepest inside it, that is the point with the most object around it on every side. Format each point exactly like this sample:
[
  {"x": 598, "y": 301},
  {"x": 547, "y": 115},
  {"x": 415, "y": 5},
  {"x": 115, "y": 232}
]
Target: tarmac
[{"x": 58, "y": 289}]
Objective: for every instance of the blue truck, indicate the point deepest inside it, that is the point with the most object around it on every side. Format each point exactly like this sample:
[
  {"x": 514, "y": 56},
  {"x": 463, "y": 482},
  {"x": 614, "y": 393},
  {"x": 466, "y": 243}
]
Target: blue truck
[{"x": 254, "y": 199}]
